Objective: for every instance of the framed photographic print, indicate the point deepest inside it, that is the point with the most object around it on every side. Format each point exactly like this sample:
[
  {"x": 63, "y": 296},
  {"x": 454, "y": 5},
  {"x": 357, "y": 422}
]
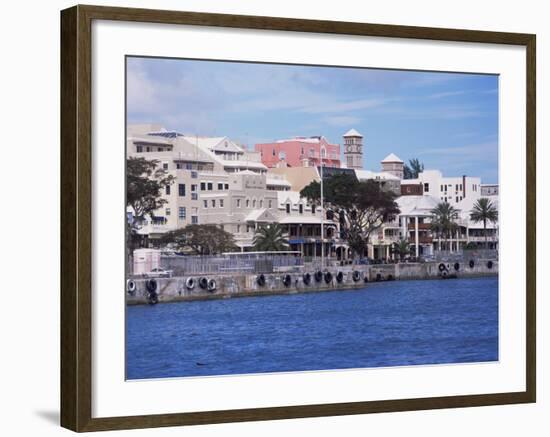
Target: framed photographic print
[{"x": 268, "y": 218}]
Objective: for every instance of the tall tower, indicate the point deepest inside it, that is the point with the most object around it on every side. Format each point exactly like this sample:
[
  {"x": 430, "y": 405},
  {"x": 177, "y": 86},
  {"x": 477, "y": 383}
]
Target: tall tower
[
  {"x": 353, "y": 149},
  {"x": 394, "y": 165}
]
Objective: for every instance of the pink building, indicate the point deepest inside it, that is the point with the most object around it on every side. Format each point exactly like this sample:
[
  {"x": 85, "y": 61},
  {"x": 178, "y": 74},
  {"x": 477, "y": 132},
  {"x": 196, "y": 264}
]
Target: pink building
[{"x": 300, "y": 152}]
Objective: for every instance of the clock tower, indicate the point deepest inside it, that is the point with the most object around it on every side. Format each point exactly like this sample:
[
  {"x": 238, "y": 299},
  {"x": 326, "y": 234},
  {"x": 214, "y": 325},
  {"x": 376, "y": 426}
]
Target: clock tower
[{"x": 353, "y": 149}]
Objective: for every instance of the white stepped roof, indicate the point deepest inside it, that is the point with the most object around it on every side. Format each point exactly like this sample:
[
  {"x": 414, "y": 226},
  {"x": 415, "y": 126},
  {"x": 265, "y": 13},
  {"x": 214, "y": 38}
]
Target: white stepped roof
[
  {"x": 417, "y": 205},
  {"x": 392, "y": 157},
  {"x": 352, "y": 133}
]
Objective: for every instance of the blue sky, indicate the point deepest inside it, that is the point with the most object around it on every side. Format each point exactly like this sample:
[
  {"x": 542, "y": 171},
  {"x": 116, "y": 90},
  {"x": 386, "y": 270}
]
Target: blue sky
[{"x": 447, "y": 120}]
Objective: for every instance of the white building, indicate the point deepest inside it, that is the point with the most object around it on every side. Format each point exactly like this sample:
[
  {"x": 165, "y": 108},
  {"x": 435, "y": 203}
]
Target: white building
[{"x": 447, "y": 189}]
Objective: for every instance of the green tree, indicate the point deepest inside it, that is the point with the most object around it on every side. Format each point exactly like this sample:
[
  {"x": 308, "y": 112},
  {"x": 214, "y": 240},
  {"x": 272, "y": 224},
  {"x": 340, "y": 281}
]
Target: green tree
[
  {"x": 402, "y": 248},
  {"x": 270, "y": 238},
  {"x": 443, "y": 223},
  {"x": 144, "y": 185},
  {"x": 361, "y": 207},
  {"x": 201, "y": 239},
  {"x": 412, "y": 169},
  {"x": 484, "y": 211}
]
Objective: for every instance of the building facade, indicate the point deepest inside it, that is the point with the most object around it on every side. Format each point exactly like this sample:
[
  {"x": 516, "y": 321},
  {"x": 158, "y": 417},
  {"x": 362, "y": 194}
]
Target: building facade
[{"x": 299, "y": 152}]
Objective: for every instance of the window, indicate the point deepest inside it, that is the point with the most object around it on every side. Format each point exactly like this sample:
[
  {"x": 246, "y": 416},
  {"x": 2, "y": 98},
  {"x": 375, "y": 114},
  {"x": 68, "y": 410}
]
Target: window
[
  {"x": 273, "y": 151},
  {"x": 178, "y": 165},
  {"x": 460, "y": 187},
  {"x": 426, "y": 187},
  {"x": 167, "y": 211},
  {"x": 313, "y": 208},
  {"x": 220, "y": 186},
  {"x": 456, "y": 187},
  {"x": 213, "y": 203},
  {"x": 165, "y": 165},
  {"x": 194, "y": 174},
  {"x": 147, "y": 149},
  {"x": 221, "y": 203},
  {"x": 194, "y": 196},
  {"x": 238, "y": 228},
  {"x": 205, "y": 203},
  {"x": 188, "y": 166},
  {"x": 194, "y": 219},
  {"x": 238, "y": 203},
  {"x": 203, "y": 186},
  {"x": 226, "y": 186},
  {"x": 282, "y": 155},
  {"x": 209, "y": 186},
  {"x": 181, "y": 190},
  {"x": 261, "y": 203},
  {"x": 254, "y": 203},
  {"x": 288, "y": 208},
  {"x": 247, "y": 203},
  {"x": 139, "y": 149},
  {"x": 441, "y": 187},
  {"x": 193, "y": 187},
  {"x": 445, "y": 199},
  {"x": 167, "y": 188},
  {"x": 456, "y": 199},
  {"x": 161, "y": 149},
  {"x": 301, "y": 208},
  {"x": 270, "y": 203},
  {"x": 181, "y": 212}
]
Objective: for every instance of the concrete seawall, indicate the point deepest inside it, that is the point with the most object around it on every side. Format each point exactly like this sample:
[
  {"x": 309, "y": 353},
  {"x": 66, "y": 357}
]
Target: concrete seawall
[{"x": 241, "y": 285}]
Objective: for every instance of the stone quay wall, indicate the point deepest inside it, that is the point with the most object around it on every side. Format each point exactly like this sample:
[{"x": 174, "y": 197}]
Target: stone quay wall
[{"x": 243, "y": 284}]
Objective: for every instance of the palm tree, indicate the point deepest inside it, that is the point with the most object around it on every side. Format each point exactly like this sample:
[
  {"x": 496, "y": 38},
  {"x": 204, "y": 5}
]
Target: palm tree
[
  {"x": 402, "y": 248},
  {"x": 270, "y": 238},
  {"x": 413, "y": 168},
  {"x": 484, "y": 211},
  {"x": 444, "y": 220}
]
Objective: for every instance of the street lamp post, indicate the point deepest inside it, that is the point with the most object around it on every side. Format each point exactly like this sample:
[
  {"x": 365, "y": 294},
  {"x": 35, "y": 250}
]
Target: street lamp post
[{"x": 322, "y": 214}]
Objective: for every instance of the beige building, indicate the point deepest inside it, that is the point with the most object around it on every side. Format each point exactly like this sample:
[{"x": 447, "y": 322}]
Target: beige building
[{"x": 216, "y": 182}]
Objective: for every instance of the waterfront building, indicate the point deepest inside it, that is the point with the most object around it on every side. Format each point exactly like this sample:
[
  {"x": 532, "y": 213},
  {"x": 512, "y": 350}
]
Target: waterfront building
[
  {"x": 216, "y": 182},
  {"x": 448, "y": 189},
  {"x": 219, "y": 182},
  {"x": 418, "y": 198},
  {"x": 299, "y": 152},
  {"x": 302, "y": 223},
  {"x": 353, "y": 149}
]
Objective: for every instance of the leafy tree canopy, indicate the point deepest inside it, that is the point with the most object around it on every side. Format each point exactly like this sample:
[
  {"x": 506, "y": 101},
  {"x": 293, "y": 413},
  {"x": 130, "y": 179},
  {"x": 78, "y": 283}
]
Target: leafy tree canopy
[
  {"x": 144, "y": 185},
  {"x": 361, "y": 207},
  {"x": 201, "y": 239}
]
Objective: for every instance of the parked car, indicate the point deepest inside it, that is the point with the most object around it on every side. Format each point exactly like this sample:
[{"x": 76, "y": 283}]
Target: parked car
[{"x": 158, "y": 272}]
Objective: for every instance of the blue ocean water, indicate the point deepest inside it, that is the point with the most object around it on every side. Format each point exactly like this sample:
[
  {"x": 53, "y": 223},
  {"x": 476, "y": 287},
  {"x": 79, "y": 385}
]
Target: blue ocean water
[{"x": 385, "y": 324}]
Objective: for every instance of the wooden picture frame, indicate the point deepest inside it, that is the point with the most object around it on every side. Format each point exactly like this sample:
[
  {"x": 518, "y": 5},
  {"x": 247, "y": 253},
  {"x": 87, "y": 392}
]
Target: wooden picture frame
[{"x": 76, "y": 219}]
